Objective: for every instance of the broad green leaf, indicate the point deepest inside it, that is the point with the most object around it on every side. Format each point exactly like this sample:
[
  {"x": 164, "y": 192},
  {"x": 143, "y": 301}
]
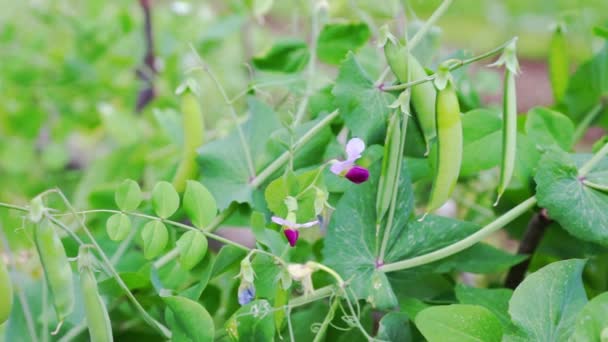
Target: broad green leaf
[
  {"x": 459, "y": 323},
  {"x": 309, "y": 154},
  {"x": 592, "y": 321},
  {"x": 480, "y": 258},
  {"x": 285, "y": 56},
  {"x": 252, "y": 322},
  {"x": 165, "y": 199},
  {"x": 579, "y": 209},
  {"x": 495, "y": 300},
  {"x": 226, "y": 173},
  {"x": 363, "y": 106},
  {"x": 118, "y": 227},
  {"x": 395, "y": 326},
  {"x": 155, "y": 237},
  {"x": 545, "y": 305},
  {"x": 546, "y": 127},
  {"x": 336, "y": 40},
  {"x": 192, "y": 247},
  {"x": 381, "y": 293},
  {"x": 192, "y": 318},
  {"x": 227, "y": 257},
  {"x": 203, "y": 273},
  {"x": 128, "y": 195},
  {"x": 266, "y": 276},
  {"x": 199, "y": 204},
  {"x": 482, "y": 140},
  {"x": 587, "y": 85}
]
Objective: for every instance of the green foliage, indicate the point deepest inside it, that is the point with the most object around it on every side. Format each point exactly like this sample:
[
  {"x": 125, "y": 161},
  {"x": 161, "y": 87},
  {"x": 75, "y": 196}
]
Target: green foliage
[
  {"x": 285, "y": 56},
  {"x": 165, "y": 199},
  {"x": 128, "y": 195},
  {"x": 459, "y": 322},
  {"x": 199, "y": 204},
  {"x": 190, "y": 319},
  {"x": 336, "y": 40}
]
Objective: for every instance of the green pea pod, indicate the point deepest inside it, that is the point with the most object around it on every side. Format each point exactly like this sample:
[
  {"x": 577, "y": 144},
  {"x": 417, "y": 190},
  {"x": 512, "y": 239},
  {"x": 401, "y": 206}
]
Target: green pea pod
[
  {"x": 449, "y": 143},
  {"x": 558, "y": 64},
  {"x": 396, "y": 57},
  {"x": 96, "y": 314},
  {"x": 6, "y": 293},
  {"x": 423, "y": 100},
  {"x": 193, "y": 128},
  {"x": 56, "y": 268},
  {"x": 390, "y": 163},
  {"x": 509, "y": 132}
]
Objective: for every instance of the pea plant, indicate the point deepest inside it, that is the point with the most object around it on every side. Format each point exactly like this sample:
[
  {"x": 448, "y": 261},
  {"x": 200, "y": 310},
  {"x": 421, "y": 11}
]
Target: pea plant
[{"x": 376, "y": 198}]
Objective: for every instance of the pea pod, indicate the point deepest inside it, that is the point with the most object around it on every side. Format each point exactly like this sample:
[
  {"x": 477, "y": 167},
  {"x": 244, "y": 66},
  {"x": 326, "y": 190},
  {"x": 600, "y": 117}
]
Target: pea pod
[
  {"x": 193, "y": 128},
  {"x": 96, "y": 314},
  {"x": 56, "y": 268},
  {"x": 509, "y": 132},
  {"x": 396, "y": 57},
  {"x": 558, "y": 64},
  {"x": 449, "y": 146},
  {"x": 6, "y": 293},
  {"x": 390, "y": 163}
]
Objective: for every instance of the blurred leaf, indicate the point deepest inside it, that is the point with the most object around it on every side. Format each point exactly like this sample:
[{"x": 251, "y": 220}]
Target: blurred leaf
[
  {"x": 545, "y": 305},
  {"x": 192, "y": 319},
  {"x": 133, "y": 280},
  {"x": 581, "y": 210},
  {"x": 199, "y": 204},
  {"x": 482, "y": 140},
  {"x": 192, "y": 246},
  {"x": 336, "y": 40},
  {"x": 228, "y": 256},
  {"x": 252, "y": 322},
  {"x": 459, "y": 322},
  {"x": 592, "y": 321},
  {"x": 287, "y": 56},
  {"x": 495, "y": 300},
  {"x": 118, "y": 227},
  {"x": 362, "y": 105},
  {"x": 165, "y": 199},
  {"x": 547, "y": 127},
  {"x": 128, "y": 195},
  {"x": 395, "y": 326},
  {"x": 300, "y": 187}
]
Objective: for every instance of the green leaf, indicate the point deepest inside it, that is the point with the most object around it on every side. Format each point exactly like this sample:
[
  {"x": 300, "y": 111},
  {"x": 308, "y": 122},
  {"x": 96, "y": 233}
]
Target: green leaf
[
  {"x": 226, "y": 174},
  {"x": 587, "y": 85},
  {"x": 287, "y": 56},
  {"x": 395, "y": 326},
  {"x": 298, "y": 186},
  {"x": 118, "y": 227},
  {"x": 336, "y": 40},
  {"x": 495, "y": 300},
  {"x": 227, "y": 257},
  {"x": 579, "y": 209},
  {"x": 363, "y": 106},
  {"x": 309, "y": 154},
  {"x": 544, "y": 306},
  {"x": 459, "y": 323},
  {"x": 155, "y": 237},
  {"x": 252, "y": 322},
  {"x": 192, "y": 247},
  {"x": 191, "y": 318},
  {"x": 482, "y": 141},
  {"x": 199, "y": 204},
  {"x": 546, "y": 127},
  {"x": 128, "y": 195},
  {"x": 165, "y": 199},
  {"x": 592, "y": 321}
]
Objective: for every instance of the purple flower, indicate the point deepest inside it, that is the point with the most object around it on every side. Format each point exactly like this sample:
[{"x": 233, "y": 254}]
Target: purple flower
[
  {"x": 246, "y": 293},
  {"x": 347, "y": 168},
  {"x": 290, "y": 229}
]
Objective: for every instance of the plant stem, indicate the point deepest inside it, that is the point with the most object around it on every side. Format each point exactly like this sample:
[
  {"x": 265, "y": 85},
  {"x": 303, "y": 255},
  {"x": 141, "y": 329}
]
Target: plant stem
[
  {"x": 284, "y": 158},
  {"x": 328, "y": 271},
  {"x": 457, "y": 64},
  {"x": 595, "y": 186},
  {"x": 534, "y": 233},
  {"x": 588, "y": 119},
  {"x": 429, "y": 23},
  {"x": 463, "y": 244},
  {"x": 330, "y": 316},
  {"x": 585, "y": 169},
  {"x": 165, "y": 259},
  {"x": 320, "y": 293}
]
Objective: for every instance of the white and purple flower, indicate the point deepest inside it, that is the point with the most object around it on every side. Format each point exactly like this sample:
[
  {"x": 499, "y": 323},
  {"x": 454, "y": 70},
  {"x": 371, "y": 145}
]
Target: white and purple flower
[
  {"x": 347, "y": 168},
  {"x": 290, "y": 228}
]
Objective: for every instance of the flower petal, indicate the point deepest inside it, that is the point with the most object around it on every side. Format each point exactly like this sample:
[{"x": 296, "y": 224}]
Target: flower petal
[
  {"x": 307, "y": 224},
  {"x": 283, "y": 222},
  {"x": 340, "y": 166},
  {"x": 354, "y": 148},
  {"x": 357, "y": 174},
  {"x": 292, "y": 236},
  {"x": 246, "y": 294}
]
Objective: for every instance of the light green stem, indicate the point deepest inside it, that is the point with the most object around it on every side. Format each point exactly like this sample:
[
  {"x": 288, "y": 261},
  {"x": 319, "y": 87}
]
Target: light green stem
[
  {"x": 320, "y": 293},
  {"x": 330, "y": 316},
  {"x": 585, "y": 169},
  {"x": 284, "y": 158},
  {"x": 596, "y": 186},
  {"x": 582, "y": 127},
  {"x": 464, "y": 243},
  {"x": 429, "y": 23}
]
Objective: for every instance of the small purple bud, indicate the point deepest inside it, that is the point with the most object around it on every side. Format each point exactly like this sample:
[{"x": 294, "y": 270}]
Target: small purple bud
[
  {"x": 357, "y": 174},
  {"x": 246, "y": 294},
  {"x": 292, "y": 236}
]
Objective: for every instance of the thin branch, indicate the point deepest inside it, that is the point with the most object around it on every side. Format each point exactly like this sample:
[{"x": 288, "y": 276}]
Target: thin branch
[{"x": 147, "y": 71}]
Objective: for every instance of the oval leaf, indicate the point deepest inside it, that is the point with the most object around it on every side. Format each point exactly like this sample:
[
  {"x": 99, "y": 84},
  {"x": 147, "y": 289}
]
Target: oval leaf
[
  {"x": 165, "y": 199},
  {"x": 128, "y": 195},
  {"x": 155, "y": 237},
  {"x": 199, "y": 204},
  {"x": 192, "y": 248},
  {"x": 191, "y": 318},
  {"x": 118, "y": 227},
  {"x": 459, "y": 322}
]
